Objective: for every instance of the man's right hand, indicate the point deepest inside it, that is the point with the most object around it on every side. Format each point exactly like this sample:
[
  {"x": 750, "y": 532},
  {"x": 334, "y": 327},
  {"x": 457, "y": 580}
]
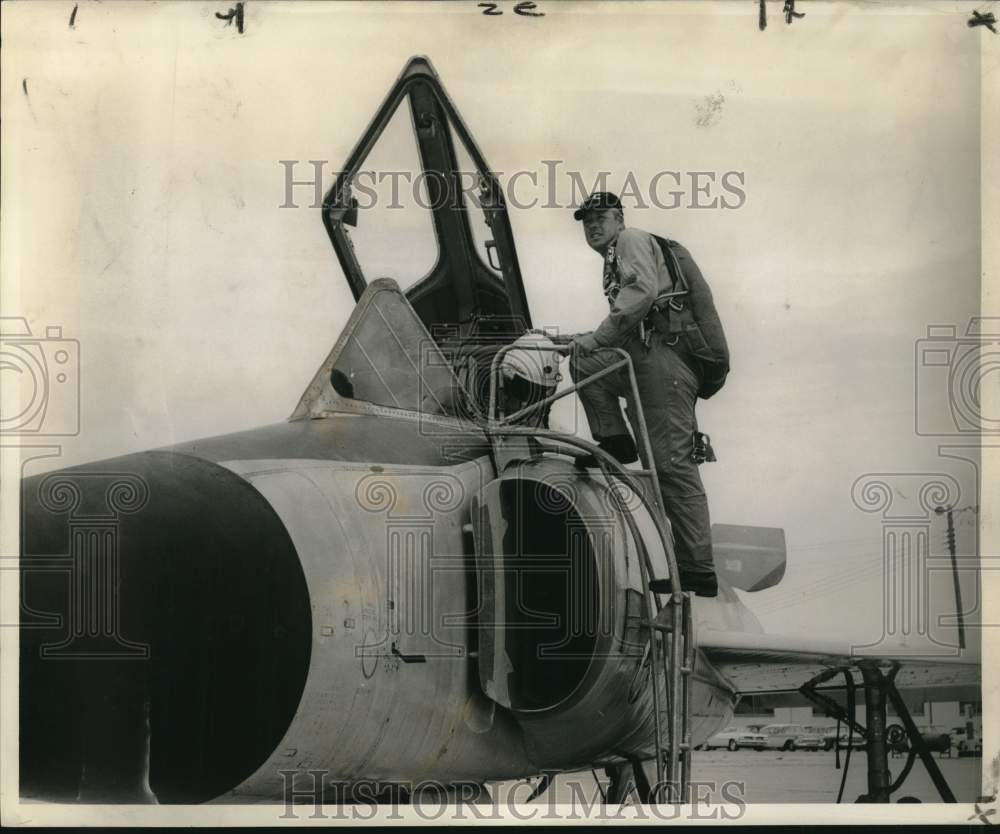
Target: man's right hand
[{"x": 583, "y": 343}]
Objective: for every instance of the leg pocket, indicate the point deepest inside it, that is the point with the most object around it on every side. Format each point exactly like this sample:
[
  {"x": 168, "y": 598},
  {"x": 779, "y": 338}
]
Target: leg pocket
[
  {"x": 600, "y": 398},
  {"x": 668, "y": 391}
]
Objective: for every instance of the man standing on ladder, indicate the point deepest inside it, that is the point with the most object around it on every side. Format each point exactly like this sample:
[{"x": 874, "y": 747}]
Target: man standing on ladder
[{"x": 662, "y": 314}]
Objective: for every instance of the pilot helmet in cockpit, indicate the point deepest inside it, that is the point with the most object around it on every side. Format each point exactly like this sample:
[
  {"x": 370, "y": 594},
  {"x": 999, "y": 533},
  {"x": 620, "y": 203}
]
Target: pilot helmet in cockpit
[{"x": 531, "y": 373}]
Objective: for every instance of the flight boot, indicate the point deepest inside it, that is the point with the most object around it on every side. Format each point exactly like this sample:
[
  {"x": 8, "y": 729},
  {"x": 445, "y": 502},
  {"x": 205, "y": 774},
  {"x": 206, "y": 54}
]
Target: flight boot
[
  {"x": 702, "y": 584},
  {"x": 619, "y": 446}
]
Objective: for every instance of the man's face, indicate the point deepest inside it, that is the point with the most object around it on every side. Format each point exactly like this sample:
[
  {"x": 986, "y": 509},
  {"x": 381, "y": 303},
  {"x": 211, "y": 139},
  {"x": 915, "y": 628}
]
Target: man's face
[{"x": 601, "y": 227}]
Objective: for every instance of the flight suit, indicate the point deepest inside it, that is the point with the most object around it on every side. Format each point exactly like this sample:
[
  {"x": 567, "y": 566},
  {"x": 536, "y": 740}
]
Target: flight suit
[{"x": 635, "y": 274}]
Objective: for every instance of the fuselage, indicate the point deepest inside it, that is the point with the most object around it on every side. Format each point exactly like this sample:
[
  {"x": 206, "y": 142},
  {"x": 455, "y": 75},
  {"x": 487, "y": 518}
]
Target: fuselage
[{"x": 305, "y": 597}]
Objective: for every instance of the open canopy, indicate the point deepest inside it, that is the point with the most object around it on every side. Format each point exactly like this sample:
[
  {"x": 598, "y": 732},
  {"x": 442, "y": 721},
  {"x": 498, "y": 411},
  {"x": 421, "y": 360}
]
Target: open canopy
[{"x": 466, "y": 270}]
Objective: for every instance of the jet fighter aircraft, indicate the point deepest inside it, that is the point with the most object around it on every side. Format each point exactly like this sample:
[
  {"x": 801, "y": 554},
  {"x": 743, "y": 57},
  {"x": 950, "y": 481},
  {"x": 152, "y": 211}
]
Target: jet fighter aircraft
[{"x": 407, "y": 580}]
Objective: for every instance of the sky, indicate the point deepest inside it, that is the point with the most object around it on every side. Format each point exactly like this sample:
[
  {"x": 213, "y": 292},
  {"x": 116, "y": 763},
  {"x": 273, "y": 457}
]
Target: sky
[{"x": 142, "y": 193}]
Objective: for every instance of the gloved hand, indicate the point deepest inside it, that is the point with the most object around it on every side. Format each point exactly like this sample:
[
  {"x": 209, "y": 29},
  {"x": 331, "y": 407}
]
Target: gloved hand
[{"x": 583, "y": 343}]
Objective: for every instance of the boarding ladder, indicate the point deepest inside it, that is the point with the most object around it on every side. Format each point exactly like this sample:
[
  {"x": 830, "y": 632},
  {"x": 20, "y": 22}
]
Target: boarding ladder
[{"x": 670, "y": 646}]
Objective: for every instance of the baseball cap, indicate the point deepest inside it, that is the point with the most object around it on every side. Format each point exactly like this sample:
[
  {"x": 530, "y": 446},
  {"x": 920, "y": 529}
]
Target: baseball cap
[{"x": 597, "y": 200}]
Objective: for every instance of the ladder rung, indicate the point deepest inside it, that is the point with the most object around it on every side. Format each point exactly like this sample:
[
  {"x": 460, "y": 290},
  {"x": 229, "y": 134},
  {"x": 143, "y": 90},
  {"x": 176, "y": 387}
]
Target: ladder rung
[{"x": 657, "y": 625}]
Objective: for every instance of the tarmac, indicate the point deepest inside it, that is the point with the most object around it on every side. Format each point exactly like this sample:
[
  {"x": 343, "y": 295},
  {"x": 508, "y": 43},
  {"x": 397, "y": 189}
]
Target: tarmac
[
  {"x": 720, "y": 778},
  {"x": 772, "y": 776}
]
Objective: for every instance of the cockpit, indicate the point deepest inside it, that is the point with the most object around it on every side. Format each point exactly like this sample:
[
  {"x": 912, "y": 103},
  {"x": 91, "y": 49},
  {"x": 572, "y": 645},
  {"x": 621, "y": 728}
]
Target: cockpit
[{"x": 417, "y": 203}]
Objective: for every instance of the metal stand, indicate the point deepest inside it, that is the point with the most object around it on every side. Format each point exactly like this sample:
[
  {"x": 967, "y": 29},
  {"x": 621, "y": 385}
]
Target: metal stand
[
  {"x": 917, "y": 742},
  {"x": 878, "y": 754},
  {"x": 879, "y": 683},
  {"x": 671, "y": 647}
]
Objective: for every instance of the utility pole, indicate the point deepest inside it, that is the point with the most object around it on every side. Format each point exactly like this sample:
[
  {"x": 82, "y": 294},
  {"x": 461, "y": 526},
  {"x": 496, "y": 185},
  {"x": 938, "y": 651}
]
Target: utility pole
[{"x": 950, "y": 513}]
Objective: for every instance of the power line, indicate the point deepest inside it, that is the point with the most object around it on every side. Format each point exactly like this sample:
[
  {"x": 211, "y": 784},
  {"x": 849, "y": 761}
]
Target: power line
[
  {"x": 841, "y": 575},
  {"x": 856, "y": 542},
  {"x": 810, "y": 593}
]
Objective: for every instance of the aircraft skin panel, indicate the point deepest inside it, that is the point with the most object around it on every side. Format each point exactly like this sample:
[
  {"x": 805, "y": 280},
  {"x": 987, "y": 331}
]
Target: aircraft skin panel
[
  {"x": 399, "y": 438},
  {"x": 367, "y": 713},
  {"x": 388, "y": 568}
]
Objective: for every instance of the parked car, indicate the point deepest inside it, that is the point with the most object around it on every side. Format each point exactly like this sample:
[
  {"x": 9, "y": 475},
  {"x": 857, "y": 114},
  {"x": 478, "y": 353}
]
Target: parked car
[
  {"x": 829, "y": 734},
  {"x": 782, "y": 736},
  {"x": 938, "y": 739},
  {"x": 964, "y": 745},
  {"x": 734, "y": 738},
  {"x": 830, "y": 737},
  {"x": 812, "y": 738}
]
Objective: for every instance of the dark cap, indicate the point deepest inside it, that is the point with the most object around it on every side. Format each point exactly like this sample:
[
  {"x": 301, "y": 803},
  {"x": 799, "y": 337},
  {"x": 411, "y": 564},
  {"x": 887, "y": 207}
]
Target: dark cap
[{"x": 597, "y": 200}]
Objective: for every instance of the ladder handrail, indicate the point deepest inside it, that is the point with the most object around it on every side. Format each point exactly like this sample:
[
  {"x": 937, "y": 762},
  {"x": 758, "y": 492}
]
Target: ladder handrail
[
  {"x": 558, "y": 395},
  {"x": 646, "y": 449},
  {"x": 677, "y": 669},
  {"x": 611, "y": 468}
]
